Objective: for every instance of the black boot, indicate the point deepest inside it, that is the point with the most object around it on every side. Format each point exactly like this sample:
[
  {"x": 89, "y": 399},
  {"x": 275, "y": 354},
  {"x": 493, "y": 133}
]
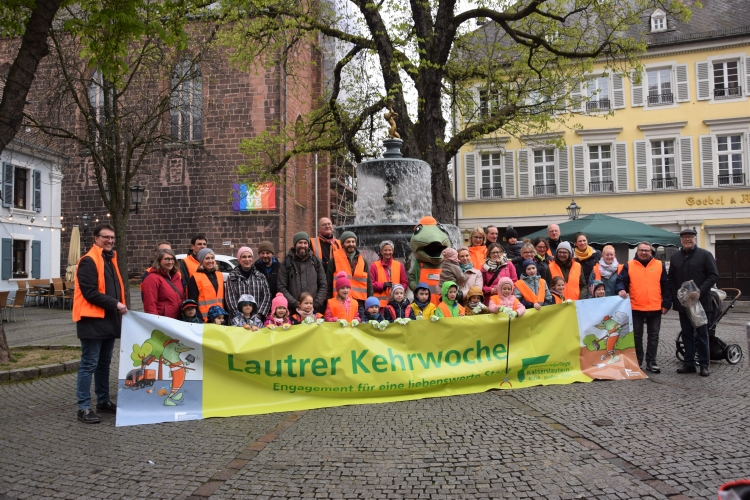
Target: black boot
[
  {"x": 704, "y": 371},
  {"x": 687, "y": 369},
  {"x": 88, "y": 416}
]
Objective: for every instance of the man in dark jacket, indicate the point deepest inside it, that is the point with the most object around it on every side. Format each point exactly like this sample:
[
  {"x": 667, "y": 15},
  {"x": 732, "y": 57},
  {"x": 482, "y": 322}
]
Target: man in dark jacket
[
  {"x": 698, "y": 265},
  {"x": 268, "y": 265},
  {"x": 302, "y": 271},
  {"x": 97, "y": 311}
]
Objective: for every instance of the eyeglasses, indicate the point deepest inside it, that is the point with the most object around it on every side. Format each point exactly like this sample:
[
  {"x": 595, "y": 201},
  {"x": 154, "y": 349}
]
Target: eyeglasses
[
  {"x": 111, "y": 238},
  {"x": 496, "y": 253},
  {"x": 167, "y": 260},
  {"x": 644, "y": 250}
]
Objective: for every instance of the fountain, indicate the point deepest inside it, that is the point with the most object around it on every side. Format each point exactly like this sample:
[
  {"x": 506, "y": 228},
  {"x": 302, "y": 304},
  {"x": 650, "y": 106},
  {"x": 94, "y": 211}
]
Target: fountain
[{"x": 393, "y": 193}]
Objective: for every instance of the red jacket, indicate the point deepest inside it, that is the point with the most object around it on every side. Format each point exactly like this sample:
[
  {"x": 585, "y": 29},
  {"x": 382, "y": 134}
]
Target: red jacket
[{"x": 161, "y": 299}]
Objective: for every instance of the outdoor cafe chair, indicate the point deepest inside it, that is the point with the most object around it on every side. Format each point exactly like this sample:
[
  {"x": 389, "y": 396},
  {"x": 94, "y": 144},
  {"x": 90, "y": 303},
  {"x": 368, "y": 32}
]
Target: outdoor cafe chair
[
  {"x": 3, "y": 302},
  {"x": 18, "y": 303}
]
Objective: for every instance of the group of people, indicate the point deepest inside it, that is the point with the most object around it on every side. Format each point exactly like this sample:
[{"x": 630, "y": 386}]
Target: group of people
[{"x": 327, "y": 279}]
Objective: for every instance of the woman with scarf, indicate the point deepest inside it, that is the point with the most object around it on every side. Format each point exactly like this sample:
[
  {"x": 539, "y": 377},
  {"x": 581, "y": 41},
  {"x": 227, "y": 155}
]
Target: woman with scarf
[
  {"x": 542, "y": 259},
  {"x": 585, "y": 255},
  {"x": 477, "y": 248},
  {"x": 495, "y": 267},
  {"x": 606, "y": 270},
  {"x": 473, "y": 275},
  {"x": 162, "y": 287}
]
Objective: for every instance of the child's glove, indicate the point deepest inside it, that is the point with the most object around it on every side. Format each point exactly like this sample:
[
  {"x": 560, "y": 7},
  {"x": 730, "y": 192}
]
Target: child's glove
[
  {"x": 320, "y": 321},
  {"x": 308, "y": 320},
  {"x": 513, "y": 314},
  {"x": 374, "y": 323},
  {"x": 403, "y": 321},
  {"x": 286, "y": 326},
  {"x": 434, "y": 317},
  {"x": 344, "y": 323},
  {"x": 271, "y": 327},
  {"x": 477, "y": 309},
  {"x": 568, "y": 301},
  {"x": 383, "y": 325},
  {"x": 355, "y": 322}
]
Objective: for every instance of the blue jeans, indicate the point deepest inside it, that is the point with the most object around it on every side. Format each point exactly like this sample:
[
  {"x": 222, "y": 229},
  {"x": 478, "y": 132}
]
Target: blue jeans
[
  {"x": 96, "y": 356},
  {"x": 691, "y": 337}
]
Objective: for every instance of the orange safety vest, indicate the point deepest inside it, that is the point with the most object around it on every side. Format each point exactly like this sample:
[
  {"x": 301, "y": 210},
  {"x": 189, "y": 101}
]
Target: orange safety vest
[
  {"x": 495, "y": 299},
  {"x": 528, "y": 293},
  {"x": 645, "y": 286},
  {"x": 358, "y": 280},
  {"x": 395, "y": 275},
  {"x": 558, "y": 299},
  {"x": 598, "y": 272},
  {"x": 207, "y": 296},
  {"x": 478, "y": 255},
  {"x": 339, "y": 311},
  {"x": 431, "y": 276},
  {"x": 191, "y": 264},
  {"x": 83, "y": 308},
  {"x": 447, "y": 313},
  {"x": 574, "y": 278},
  {"x": 317, "y": 249}
]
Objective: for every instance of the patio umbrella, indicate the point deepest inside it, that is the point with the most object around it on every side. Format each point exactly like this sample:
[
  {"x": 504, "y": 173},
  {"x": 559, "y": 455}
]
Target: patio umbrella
[
  {"x": 74, "y": 254},
  {"x": 603, "y": 229}
]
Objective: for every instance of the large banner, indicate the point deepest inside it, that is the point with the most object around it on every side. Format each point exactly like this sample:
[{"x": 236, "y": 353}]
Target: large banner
[{"x": 171, "y": 370}]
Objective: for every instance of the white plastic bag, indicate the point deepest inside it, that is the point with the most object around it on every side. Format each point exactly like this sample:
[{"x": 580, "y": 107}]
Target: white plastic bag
[{"x": 689, "y": 296}]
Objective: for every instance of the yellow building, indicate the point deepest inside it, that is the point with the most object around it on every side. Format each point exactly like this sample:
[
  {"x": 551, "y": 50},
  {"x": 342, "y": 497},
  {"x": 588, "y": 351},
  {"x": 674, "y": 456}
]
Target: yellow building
[{"x": 672, "y": 151}]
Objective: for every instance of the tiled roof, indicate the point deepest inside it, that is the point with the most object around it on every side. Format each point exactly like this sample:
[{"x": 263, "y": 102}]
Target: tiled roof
[{"x": 717, "y": 19}]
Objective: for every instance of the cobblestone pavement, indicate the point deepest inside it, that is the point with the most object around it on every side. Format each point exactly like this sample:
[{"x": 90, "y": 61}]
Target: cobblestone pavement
[{"x": 672, "y": 436}]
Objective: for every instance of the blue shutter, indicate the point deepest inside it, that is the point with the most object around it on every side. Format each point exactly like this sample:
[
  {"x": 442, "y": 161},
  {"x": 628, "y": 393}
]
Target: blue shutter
[
  {"x": 7, "y": 256},
  {"x": 36, "y": 259},
  {"x": 38, "y": 190},
  {"x": 7, "y": 185}
]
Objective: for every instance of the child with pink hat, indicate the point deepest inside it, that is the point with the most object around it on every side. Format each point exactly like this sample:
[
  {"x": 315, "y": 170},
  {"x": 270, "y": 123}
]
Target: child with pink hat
[
  {"x": 341, "y": 307},
  {"x": 279, "y": 315},
  {"x": 504, "y": 300}
]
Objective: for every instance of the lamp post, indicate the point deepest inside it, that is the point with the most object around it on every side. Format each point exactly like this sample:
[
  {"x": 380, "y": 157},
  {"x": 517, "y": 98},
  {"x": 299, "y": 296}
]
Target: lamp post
[
  {"x": 573, "y": 210},
  {"x": 136, "y": 196}
]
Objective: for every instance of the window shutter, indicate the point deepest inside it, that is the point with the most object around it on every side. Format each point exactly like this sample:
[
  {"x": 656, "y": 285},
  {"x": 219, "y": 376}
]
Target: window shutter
[
  {"x": 524, "y": 177},
  {"x": 621, "y": 165},
  {"x": 708, "y": 179},
  {"x": 686, "y": 161},
  {"x": 470, "y": 175},
  {"x": 747, "y": 76},
  {"x": 7, "y": 185},
  {"x": 636, "y": 89},
  {"x": 7, "y": 256},
  {"x": 563, "y": 172},
  {"x": 683, "y": 85},
  {"x": 509, "y": 179},
  {"x": 618, "y": 91},
  {"x": 576, "y": 98},
  {"x": 579, "y": 168},
  {"x": 36, "y": 259},
  {"x": 641, "y": 165},
  {"x": 703, "y": 82},
  {"x": 38, "y": 190}
]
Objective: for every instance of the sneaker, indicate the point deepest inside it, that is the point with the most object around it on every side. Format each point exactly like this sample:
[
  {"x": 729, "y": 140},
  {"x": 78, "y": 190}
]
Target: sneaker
[
  {"x": 653, "y": 368},
  {"x": 687, "y": 369},
  {"x": 88, "y": 416},
  {"x": 108, "y": 407},
  {"x": 704, "y": 371}
]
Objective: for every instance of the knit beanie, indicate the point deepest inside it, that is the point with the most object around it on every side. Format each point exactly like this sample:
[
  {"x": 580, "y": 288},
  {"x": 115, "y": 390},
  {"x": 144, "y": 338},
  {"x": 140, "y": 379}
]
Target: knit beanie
[
  {"x": 503, "y": 281},
  {"x": 371, "y": 301},
  {"x": 202, "y": 254},
  {"x": 527, "y": 263},
  {"x": 342, "y": 280},
  {"x": 565, "y": 246},
  {"x": 510, "y": 233},
  {"x": 265, "y": 246},
  {"x": 279, "y": 301},
  {"x": 243, "y": 250},
  {"x": 300, "y": 236},
  {"x": 396, "y": 286},
  {"x": 451, "y": 255},
  {"x": 346, "y": 235}
]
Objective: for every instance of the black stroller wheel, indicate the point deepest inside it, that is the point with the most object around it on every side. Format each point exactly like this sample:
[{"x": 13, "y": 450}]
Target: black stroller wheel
[
  {"x": 679, "y": 348},
  {"x": 733, "y": 354}
]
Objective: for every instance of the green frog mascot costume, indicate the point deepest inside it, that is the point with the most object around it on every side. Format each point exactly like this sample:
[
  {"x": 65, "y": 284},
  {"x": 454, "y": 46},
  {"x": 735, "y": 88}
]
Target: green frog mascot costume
[{"x": 427, "y": 245}]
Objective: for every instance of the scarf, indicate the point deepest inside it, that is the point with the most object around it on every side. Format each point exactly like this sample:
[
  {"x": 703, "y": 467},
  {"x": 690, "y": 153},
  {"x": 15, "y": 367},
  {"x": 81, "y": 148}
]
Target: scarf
[
  {"x": 465, "y": 267},
  {"x": 541, "y": 257},
  {"x": 421, "y": 305},
  {"x": 585, "y": 254},
  {"x": 491, "y": 265},
  {"x": 327, "y": 240},
  {"x": 607, "y": 270},
  {"x": 303, "y": 314}
]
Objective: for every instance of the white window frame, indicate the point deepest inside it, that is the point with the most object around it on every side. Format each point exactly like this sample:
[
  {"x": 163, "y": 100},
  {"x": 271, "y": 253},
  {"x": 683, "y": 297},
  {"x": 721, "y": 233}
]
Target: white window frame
[
  {"x": 598, "y": 147},
  {"x": 658, "y": 21},
  {"x": 598, "y": 96},
  {"x": 491, "y": 155},
  {"x": 705, "y": 69},
  {"x": 742, "y": 151},
  {"x": 665, "y": 184},
  {"x": 546, "y": 164},
  {"x": 709, "y": 153},
  {"x": 660, "y": 71},
  {"x": 492, "y": 100}
]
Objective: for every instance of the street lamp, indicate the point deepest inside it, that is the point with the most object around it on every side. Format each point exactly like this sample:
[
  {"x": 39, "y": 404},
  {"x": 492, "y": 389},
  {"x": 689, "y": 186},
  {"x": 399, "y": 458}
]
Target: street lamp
[
  {"x": 573, "y": 210},
  {"x": 136, "y": 196}
]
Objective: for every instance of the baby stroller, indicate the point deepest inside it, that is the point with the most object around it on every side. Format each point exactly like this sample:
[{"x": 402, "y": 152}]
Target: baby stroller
[{"x": 717, "y": 348}]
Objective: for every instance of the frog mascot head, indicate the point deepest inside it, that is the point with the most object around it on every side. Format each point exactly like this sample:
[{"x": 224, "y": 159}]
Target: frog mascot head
[{"x": 427, "y": 245}]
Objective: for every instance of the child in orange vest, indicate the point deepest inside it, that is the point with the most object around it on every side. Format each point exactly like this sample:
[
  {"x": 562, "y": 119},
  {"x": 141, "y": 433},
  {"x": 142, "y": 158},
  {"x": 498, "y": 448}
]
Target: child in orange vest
[
  {"x": 279, "y": 312},
  {"x": 341, "y": 308},
  {"x": 558, "y": 290},
  {"x": 449, "y": 307},
  {"x": 505, "y": 300},
  {"x": 531, "y": 289},
  {"x": 305, "y": 310}
]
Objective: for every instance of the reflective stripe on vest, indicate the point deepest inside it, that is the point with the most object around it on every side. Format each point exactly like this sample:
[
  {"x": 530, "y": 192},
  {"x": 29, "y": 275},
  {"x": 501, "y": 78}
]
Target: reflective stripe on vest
[
  {"x": 574, "y": 277},
  {"x": 448, "y": 312},
  {"x": 338, "y": 310},
  {"x": 358, "y": 280},
  {"x": 598, "y": 272},
  {"x": 82, "y": 308},
  {"x": 317, "y": 248},
  {"x": 431, "y": 276},
  {"x": 528, "y": 293},
  {"x": 191, "y": 265},
  {"x": 478, "y": 255},
  {"x": 383, "y": 277},
  {"x": 207, "y": 296},
  {"x": 645, "y": 285}
]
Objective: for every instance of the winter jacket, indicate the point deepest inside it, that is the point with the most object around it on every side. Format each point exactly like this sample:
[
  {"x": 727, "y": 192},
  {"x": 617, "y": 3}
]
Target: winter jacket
[
  {"x": 87, "y": 275},
  {"x": 370, "y": 317},
  {"x": 298, "y": 275},
  {"x": 514, "y": 250},
  {"x": 587, "y": 265},
  {"x": 451, "y": 272},
  {"x": 697, "y": 265},
  {"x": 240, "y": 320},
  {"x": 473, "y": 278},
  {"x": 193, "y": 292},
  {"x": 271, "y": 274},
  {"x": 425, "y": 313},
  {"x": 401, "y": 279},
  {"x": 394, "y": 310},
  {"x": 533, "y": 284},
  {"x": 449, "y": 308},
  {"x": 610, "y": 284},
  {"x": 510, "y": 302},
  {"x": 489, "y": 279},
  {"x": 159, "y": 297},
  {"x": 238, "y": 285}
]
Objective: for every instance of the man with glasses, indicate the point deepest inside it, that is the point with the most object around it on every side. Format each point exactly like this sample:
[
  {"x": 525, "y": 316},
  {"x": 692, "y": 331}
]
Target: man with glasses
[
  {"x": 698, "y": 265},
  {"x": 324, "y": 244},
  {"x": 98, "y": 304},
  {"x": 644, "y": 279}
]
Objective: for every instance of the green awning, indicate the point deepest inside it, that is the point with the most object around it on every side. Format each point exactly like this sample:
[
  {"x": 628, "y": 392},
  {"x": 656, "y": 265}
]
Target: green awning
[{"x": 602, "y": 229}]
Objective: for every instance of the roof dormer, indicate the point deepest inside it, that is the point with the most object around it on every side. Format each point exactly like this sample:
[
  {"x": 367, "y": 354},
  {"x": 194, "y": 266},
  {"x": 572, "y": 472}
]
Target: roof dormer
[{"x": 658, "y": 21}]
